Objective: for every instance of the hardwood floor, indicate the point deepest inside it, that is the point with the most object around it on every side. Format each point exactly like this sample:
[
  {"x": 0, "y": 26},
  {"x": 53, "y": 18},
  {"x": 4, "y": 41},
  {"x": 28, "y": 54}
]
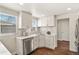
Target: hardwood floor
[{"x": 62, "y": 49}]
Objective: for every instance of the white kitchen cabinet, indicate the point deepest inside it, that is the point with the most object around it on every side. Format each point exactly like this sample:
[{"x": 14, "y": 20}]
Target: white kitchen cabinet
[
  {"x": 46, "y": 21},
  {"x": 39, "y": 22},
  {"x": 49, "y": 42},
  {"x": 38, "y": 42},
  {"x": 46, "y": 41},
  {"x": 42, "y": 41},
  {"x": 55, "y": 41},
  {"x": 24, "y": 44},
  {"x": 19, "y": 47},
  {"x": 51, "y": 21},
  {"x": 42, "y": 22},
  {"x": 35, "y": 43}
]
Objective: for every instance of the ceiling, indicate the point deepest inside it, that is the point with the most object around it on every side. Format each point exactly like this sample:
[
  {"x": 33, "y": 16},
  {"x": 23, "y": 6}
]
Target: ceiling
[{"x": 43, "y": 9}]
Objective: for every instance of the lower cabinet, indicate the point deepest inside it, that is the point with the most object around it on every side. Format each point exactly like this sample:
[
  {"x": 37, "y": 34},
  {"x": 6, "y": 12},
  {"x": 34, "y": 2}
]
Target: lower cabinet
[
  {"x": 35, "y": 43},
  {"x": 52, "y": 43},
  {"x": 38, "y": 42},
  {"x": 19, "y": 46},
  {"x": 49, "y": 42},
  {"x": 42, "y": 41},
  {"x": 23, "y": 46},
  {"x": 26, "y": 46}
]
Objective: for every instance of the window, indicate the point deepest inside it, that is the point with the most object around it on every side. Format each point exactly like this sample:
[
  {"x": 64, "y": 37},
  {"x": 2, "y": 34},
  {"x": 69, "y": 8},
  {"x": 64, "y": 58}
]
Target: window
[
  {"x": 35, "y": 22},
  {"x": 7, "y": 23}
]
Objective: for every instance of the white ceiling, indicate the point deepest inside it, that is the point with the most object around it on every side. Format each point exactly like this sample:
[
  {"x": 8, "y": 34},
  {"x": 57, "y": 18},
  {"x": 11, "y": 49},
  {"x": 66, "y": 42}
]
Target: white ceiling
[{"x": 44, "y": 9}]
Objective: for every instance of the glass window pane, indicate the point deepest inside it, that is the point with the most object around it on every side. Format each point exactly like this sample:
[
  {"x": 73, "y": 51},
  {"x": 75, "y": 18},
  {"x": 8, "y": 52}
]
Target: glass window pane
[
  {"x": 34, "y": 23},
  {"x": 8, "y": 23}
]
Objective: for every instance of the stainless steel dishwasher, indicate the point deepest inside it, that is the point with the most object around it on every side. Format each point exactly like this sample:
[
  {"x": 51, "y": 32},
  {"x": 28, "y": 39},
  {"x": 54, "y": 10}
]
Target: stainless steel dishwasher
[{"x": 27, "y": 48}]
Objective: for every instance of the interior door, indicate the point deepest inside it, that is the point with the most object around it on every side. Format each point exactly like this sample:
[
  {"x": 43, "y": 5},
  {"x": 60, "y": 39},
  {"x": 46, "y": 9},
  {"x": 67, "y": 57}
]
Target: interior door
[{"x": 63, "y": 29}]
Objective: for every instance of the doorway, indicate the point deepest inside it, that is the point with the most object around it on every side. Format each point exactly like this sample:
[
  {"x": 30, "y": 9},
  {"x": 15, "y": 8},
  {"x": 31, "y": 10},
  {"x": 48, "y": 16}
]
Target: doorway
[
  {"x": 63, "y": 29},
  {"x": 63, "y": 34}
]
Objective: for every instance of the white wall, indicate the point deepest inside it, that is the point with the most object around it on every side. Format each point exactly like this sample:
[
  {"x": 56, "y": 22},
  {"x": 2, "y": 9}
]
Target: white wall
[
  {"x": 9, "y": 42},
  {"x": 72, "y": 23},
  {"x": 9, "y": 39},
  {"x": 26, "y": 19}
]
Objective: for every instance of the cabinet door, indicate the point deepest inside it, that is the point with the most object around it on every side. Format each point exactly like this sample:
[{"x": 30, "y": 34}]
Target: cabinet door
[
  {"x": 47, "y": 42},
  {"x": 42, "y": 22},
  {"x": 51, "y": 21},
  {"x": 42, "y": 41},
  {"x": 19, "y": 46},
  {"x": 51, "y": 44},
  {"x": 55, "y": 41},
  {"x": 35, "y": 43},
  {"x": 39, "y": 23}
]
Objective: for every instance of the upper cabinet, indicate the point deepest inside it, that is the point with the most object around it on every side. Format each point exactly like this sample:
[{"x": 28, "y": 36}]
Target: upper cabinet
[
  {"x": 42, "y": 22},
  {"x": 34, "y": 22},
  {"x": 51, "y": 21},
  {"x": 46, "y": 21},
  {"x": 39, "y": 22}
]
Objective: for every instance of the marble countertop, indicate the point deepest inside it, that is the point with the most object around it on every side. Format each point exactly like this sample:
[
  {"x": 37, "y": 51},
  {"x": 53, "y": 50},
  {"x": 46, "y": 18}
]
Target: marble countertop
[
  {"x": 4, "y": 50},
  {"x": 25, "y": 37}
]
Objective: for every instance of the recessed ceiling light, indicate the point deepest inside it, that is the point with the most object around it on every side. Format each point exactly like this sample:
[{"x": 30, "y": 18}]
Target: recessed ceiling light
[{"x": 69, "y": 9}]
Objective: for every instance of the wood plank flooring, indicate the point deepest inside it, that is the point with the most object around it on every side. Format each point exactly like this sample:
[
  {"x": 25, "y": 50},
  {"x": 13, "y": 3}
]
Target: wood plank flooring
[{"x": 62, "y": 49}]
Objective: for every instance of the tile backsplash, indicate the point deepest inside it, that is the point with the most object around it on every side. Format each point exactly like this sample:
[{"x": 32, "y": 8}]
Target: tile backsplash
[{"x": 44, "y": 30}]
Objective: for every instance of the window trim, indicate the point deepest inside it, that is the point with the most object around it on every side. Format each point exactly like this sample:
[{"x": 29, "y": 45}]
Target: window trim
[
  {"x": 35, "y": 20},
  {"x": 6, "y": 34},
  {"x": 4, "y": 13}
]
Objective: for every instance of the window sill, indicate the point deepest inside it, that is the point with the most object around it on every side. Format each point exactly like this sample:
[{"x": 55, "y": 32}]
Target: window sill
[{"x": 6, "y": 34}]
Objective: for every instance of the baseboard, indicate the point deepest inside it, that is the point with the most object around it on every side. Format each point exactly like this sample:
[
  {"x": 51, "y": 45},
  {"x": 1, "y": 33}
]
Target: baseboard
[{"x": 72, "y": 50}]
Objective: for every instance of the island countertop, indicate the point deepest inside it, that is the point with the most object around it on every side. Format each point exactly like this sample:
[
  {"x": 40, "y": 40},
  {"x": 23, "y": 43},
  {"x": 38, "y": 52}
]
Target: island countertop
[{"x": 25, "y": 37}]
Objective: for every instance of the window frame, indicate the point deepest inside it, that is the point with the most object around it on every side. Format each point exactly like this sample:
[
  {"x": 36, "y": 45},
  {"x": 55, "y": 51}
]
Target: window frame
[
  {"x": 34, "y": 24},
  {"x": 15, "y": 22}
]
